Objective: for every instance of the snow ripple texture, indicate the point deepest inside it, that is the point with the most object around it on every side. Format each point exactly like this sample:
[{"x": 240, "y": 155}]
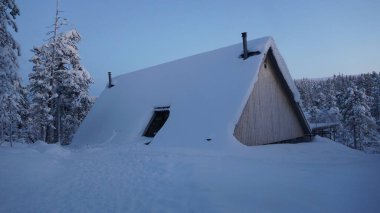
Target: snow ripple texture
[{"x": 321, "y": 176}]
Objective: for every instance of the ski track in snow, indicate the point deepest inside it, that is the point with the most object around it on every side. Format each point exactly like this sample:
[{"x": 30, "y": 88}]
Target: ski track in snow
[{"x": 313, "y": 177}]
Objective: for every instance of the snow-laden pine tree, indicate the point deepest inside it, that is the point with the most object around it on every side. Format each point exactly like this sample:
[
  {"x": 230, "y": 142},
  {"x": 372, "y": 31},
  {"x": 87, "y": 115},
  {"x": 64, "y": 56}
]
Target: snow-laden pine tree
[
  {"x": 41, "y": 118},
  {"x": 319, "y": 100},
  {"x": 376, "y": 96},
  {"x": 305, "y": 88},
  {"x": 330, "y": 112},
  {"x": 59, "y": 87},
  {"x": 10, "y": 87},
  {"x": 307, "y": 92},
  {"x": 72, "y": 86},
  {"x": 357, "y": 117}
]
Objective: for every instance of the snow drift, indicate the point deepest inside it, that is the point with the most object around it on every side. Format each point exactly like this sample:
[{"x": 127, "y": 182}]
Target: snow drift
[{"x": 320, "y": 176}]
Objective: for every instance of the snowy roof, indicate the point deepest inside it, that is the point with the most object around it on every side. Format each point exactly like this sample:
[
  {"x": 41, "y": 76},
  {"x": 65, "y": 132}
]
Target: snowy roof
[{"x": 206, "y": 94}]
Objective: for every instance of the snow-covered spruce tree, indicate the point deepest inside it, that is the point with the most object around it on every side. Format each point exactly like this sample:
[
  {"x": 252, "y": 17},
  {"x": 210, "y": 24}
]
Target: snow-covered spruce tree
[
  {"x": 307, "y": 92},
  {"x": 376, "y": 96},
  {"x": 330, "y": 112},
  {"x": 59, "y": 87},
  {"x": 41, "y": 93},
  {"x": 357, "y": 117},
  {"x": 305, "y": 88},
  {"x": 10, "y": 87},
  {"x": 72, "y": 86},
  {"x": 319, "y": 100}
]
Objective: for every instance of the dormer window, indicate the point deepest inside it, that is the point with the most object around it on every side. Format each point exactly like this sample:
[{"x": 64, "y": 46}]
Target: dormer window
[{"x": 160, "y": 116}]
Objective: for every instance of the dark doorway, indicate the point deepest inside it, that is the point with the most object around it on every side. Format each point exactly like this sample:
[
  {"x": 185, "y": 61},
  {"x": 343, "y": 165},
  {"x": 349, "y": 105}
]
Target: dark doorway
[{"x": 156, "y": 122}]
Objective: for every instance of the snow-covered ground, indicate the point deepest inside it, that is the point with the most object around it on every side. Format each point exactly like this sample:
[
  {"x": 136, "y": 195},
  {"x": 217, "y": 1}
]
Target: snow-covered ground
[{"x": 320, "y": 176}]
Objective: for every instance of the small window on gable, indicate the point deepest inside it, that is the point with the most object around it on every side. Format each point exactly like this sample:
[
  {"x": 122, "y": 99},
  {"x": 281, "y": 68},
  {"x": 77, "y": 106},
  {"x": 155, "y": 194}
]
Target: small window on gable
[{"x": 160, "y": 116}]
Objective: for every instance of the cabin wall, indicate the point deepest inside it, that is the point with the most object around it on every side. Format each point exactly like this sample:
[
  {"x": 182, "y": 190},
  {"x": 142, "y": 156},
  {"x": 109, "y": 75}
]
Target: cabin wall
[{"x": 268, "y": 115}]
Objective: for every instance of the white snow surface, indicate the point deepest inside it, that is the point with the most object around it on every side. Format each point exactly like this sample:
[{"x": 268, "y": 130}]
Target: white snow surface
[
  {"x": 320, "y": 176},
  {"x": 206, "y": 94}
]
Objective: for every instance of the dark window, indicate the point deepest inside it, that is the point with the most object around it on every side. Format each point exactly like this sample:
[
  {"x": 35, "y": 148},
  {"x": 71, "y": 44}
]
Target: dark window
[{"x": 156, "y": 122}]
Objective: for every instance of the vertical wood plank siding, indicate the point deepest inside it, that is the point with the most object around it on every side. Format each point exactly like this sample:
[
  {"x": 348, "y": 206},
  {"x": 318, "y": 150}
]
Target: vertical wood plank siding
[{"x": 268, "y": 115}]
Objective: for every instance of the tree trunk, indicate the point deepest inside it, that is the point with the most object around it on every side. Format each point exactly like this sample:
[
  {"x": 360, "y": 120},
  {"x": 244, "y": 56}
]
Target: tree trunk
[
  {"x": 10, "y": 123},
  {"x": 2, "y": 132},
  {"x": 355, "y": 141},
  {"x": 58, "y": 120}
]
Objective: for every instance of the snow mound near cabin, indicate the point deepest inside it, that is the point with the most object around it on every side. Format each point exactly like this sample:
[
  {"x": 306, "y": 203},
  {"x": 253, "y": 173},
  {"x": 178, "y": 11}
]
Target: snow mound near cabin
[
  {"x": 206, "y": 94},
  {"x": 320, "y": 176}
]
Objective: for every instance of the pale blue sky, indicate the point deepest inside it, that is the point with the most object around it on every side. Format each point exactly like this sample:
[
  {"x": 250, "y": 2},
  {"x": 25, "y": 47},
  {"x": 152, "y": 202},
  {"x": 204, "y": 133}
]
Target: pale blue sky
[{"x": 316, "y": 38}]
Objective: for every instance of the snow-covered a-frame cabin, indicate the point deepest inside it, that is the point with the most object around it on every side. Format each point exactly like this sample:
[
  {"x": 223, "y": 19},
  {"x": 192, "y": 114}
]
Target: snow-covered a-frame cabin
[{"x": 240, "y": 93}]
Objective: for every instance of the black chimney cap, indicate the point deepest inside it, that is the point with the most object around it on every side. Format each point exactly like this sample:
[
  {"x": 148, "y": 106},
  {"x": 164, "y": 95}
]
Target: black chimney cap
[{"x": 246, "y": 53}]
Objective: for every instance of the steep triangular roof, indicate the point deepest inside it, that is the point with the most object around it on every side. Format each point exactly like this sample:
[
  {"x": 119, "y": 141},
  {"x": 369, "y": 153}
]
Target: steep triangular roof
[{"x": 206, "y": 94}]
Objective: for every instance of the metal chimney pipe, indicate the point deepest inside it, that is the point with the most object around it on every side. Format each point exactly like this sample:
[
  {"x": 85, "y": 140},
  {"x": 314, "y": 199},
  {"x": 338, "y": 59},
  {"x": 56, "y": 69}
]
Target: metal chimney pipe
[
  {"x": 245, "y": 49},
  {"x": 110, "y": 80}
]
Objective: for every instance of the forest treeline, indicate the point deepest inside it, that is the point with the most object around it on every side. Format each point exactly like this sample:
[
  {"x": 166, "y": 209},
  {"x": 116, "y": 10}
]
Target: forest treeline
[{"x": 352, "y": 102}]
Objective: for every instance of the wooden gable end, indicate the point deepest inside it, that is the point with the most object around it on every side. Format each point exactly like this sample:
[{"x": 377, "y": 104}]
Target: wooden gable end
[{"x": 270, "y": 114}]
